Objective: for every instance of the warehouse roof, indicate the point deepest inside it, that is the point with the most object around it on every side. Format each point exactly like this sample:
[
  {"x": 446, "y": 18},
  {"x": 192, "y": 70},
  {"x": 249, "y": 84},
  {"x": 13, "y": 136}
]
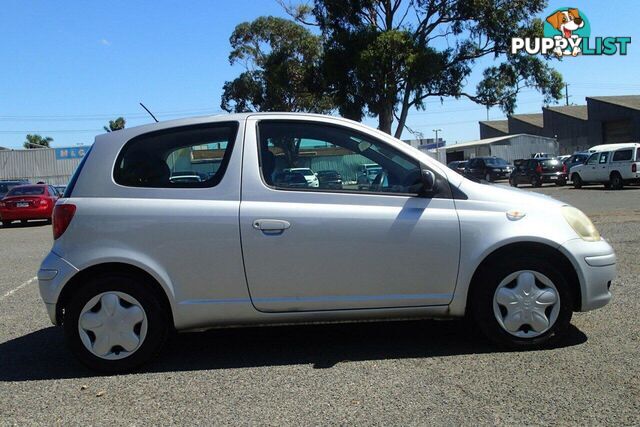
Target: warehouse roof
[
  {"x": 577, "y": 111},
  {"x": 500, "y": 125},
  {"x": 627, "y": 101},
  {"x": 532, "y": 119}
]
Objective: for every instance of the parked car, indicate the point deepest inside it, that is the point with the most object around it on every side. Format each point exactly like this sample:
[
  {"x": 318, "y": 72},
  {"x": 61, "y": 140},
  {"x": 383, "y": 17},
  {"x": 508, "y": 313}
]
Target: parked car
[
  {"x": 330, "y": 179},
  {"x": 26, "y": 202},
  {"x": 488, "y": 168},
  {"x": 135, "y": 257},
  {"x": 367, "y": 174},
  {"x": 309, "y": 175},
  {"x": 291, "y": 179},
  {"x": 576, "y": 159},
  {"x": 6, "y": 185},
  {"x": 538, "y": 171},
  {"x": 457, "y": 166},
  {"x": 614, "y": 165}
]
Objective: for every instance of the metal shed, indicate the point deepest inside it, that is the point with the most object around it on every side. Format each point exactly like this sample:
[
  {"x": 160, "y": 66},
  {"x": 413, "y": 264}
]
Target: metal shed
[
  {"x": 40, "y": 164},
  {"x": 510, "y": 148}
]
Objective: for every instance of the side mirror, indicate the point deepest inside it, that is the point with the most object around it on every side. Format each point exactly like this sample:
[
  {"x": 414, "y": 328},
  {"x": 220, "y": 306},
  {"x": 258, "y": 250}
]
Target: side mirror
[{"x": 429, "y": 183}]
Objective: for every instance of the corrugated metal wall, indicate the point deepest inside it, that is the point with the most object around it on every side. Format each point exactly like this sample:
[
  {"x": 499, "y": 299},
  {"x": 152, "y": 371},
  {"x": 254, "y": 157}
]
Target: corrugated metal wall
[{"x": 36, "y": 165}]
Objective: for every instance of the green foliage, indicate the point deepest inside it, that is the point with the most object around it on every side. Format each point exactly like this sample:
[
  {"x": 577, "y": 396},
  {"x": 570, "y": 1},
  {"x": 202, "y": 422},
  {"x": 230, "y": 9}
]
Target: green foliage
[
  {"x": 37, "y": 141},
  {"x": 116, "y": 124},
  {"x": 281, "y": 59},
  {"x": 383, "y": 57}
]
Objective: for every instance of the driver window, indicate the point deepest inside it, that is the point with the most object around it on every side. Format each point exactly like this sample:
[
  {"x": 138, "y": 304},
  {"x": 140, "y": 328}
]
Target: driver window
[
  {"x": 593, "y": 159},
  {"x": 320, "y": 157}
]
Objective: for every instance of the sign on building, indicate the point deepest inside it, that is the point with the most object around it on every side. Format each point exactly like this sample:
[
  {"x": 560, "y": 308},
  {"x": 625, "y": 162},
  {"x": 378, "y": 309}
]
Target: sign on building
[{"x": 70, "y": 153}]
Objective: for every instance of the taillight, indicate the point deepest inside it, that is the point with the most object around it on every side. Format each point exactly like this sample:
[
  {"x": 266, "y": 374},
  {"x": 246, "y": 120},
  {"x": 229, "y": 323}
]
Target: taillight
[
  {"x": 539, "y": 168},
  {"x": 564, "y": 168},
  {"x": 3, "y": 204},
  {"x": 62, "y": 216},
  {"x": 634, "y": 169}
]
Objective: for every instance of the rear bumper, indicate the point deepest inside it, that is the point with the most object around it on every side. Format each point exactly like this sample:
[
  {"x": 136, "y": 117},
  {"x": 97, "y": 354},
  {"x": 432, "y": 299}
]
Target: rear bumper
[
  {"x": 555, "y": 177},
  {"x": 26, "y": 213},
  {"x": 595, "y": 265},
  {"x": 54, "y": 272}
]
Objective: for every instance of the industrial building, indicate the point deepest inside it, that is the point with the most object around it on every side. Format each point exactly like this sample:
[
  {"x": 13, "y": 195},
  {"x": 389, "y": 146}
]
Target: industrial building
[
  {"x": 508, "y": 147},
  {"x": 51, "y": 165},
  {"x": 603, "y": 120}
]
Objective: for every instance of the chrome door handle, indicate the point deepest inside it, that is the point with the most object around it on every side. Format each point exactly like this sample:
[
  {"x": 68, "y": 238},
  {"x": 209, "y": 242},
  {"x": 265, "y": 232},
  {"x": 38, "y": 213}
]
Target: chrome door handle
[{"x": 271, "y": 224}]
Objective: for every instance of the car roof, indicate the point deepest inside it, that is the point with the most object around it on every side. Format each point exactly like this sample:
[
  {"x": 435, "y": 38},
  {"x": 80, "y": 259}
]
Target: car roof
[{"x": 611, "y": 147}]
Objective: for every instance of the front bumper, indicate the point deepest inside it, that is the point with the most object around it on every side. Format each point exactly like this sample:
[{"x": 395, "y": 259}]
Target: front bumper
[
  {"x": 53, "y": 274},
  {"x": 595, "y": 264}
]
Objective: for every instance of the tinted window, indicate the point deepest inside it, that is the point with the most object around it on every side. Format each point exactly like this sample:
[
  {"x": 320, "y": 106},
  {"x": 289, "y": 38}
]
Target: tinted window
[
  {"x": 496, "y": 162},
  {"x": 622, "y": 155},
  {"x": 290, "y": 150},
  {"x": 159, "y": 159},
  {"x": 26, "y": 191}
]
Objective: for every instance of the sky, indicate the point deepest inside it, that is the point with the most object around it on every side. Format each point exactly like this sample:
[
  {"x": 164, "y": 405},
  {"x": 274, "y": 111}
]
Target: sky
[{"x": 69, "y": 67}]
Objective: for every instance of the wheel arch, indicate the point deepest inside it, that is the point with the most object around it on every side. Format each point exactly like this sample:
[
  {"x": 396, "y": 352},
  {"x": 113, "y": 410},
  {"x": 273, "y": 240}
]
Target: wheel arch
[
  {"x": 550, "y": 253},
  {"x": 111, "y": 268}
]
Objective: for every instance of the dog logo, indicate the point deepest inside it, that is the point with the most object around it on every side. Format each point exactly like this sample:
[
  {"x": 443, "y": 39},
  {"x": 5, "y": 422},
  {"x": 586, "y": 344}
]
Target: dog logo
[
  {"x": 567, "y": 32},
  {"x": 566, "y": 22}
]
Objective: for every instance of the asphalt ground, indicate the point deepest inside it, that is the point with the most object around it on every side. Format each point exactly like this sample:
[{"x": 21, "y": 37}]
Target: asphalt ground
[{"x": 401, "y": 373}]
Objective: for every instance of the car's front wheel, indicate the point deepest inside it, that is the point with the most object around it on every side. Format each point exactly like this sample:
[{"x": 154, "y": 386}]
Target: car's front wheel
[
  {"x": 524, "y": 303},
  {"x": 115, "y": 323},
  {"x": 577, "y": 181}
]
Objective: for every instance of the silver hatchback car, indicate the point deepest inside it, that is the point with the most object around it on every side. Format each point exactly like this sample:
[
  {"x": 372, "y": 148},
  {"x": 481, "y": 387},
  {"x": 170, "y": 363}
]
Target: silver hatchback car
[{"x": 138, "y": 254}]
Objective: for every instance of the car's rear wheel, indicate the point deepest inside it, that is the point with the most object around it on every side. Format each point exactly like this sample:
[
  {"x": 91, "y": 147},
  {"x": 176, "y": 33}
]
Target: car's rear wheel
[
  {"x": 524, "y": 303},
  {"x": 513, "y": 182},
  {"x": 561, "y": 182},
  {"x": 115, "y": 323},
  {"x": 577, "y": 181},
  {"x": 488, "y": 177},
  {"x": 615, "y": 181},
  {"x": 535, "y": 182}
]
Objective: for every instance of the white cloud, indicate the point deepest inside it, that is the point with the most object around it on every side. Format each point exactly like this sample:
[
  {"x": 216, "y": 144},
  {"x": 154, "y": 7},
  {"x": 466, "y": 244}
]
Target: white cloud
[{"x": 105, "y": 42}]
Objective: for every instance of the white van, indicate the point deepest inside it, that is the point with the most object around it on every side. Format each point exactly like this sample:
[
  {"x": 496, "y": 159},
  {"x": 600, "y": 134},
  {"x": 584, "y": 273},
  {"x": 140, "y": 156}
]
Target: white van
[{"x": 613, "y": 165}]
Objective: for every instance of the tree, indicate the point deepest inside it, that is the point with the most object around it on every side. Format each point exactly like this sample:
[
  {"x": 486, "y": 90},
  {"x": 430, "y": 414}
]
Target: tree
[
  {"x": 282, "y": 61},
  {"x": 37, "y": 141},
  {"x": 383, "y": 57},
  {"x": 116, "y": 124}
]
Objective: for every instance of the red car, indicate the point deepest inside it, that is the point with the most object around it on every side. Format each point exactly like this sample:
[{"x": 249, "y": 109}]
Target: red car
[{"x": 25, "y": 202}]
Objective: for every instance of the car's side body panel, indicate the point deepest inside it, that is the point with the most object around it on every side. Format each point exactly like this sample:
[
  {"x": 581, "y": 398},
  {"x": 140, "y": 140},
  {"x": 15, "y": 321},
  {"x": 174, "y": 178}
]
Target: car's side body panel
[{"x": 345, "y": 250}]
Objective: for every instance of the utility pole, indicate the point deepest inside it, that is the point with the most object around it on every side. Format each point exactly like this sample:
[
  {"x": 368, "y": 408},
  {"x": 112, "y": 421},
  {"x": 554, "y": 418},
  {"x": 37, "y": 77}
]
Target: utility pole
[
  {"x": 566, "y": 93},
  {"x": 436, "y": 131}
]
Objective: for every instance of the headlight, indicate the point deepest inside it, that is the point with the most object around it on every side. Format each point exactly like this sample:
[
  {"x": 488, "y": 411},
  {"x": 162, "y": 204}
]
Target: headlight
[{"x": 580, "y": 223}]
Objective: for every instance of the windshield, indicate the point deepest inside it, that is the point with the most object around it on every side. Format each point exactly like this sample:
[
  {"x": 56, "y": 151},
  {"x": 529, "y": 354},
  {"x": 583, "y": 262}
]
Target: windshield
[
  {"x": 496, "y": 161},
  {"x": 26, "y": 191}
]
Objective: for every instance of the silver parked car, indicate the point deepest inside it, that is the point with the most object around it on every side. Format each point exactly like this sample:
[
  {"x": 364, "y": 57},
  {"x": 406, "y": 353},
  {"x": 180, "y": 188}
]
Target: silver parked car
[{"x": 137, "y": 254}]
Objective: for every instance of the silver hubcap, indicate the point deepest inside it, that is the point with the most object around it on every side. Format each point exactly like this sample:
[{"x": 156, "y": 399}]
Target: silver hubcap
[
  {"x": 112, "y": 325},
  {"x": 526, "y": 304}
]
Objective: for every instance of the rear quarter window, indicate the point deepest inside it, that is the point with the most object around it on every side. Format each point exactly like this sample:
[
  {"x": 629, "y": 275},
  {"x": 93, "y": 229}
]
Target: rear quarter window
[
  {"x": 622, "y": 155},
  {"x": 184, "y": 157}
]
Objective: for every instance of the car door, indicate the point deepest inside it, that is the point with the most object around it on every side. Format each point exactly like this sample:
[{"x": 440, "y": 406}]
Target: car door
[
  {"x": 588, "y": 171},
  {"x": 602, "y": 169},
  {"x": 321, "y": 249},
  {"x": 473, "y": 168}
]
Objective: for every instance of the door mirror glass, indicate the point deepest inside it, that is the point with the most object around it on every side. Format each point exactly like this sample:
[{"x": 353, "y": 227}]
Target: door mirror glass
[{"x": 429, "y": 182}]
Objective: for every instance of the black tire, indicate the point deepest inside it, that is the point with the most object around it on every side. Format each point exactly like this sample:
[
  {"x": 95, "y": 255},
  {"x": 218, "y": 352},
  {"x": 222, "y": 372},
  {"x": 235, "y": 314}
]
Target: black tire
[
  {"x": 158, "y": 327},
  {"x": 577, "y": 181},
  {"x": 513, "y": 182},
  {"x": 616, "y": 182},
  {"x": 488, "y": 177},
  {"x": 535, "y": 182},
  {"x": 481, "y": 302},
  {"x": 561, "y": 182}
]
